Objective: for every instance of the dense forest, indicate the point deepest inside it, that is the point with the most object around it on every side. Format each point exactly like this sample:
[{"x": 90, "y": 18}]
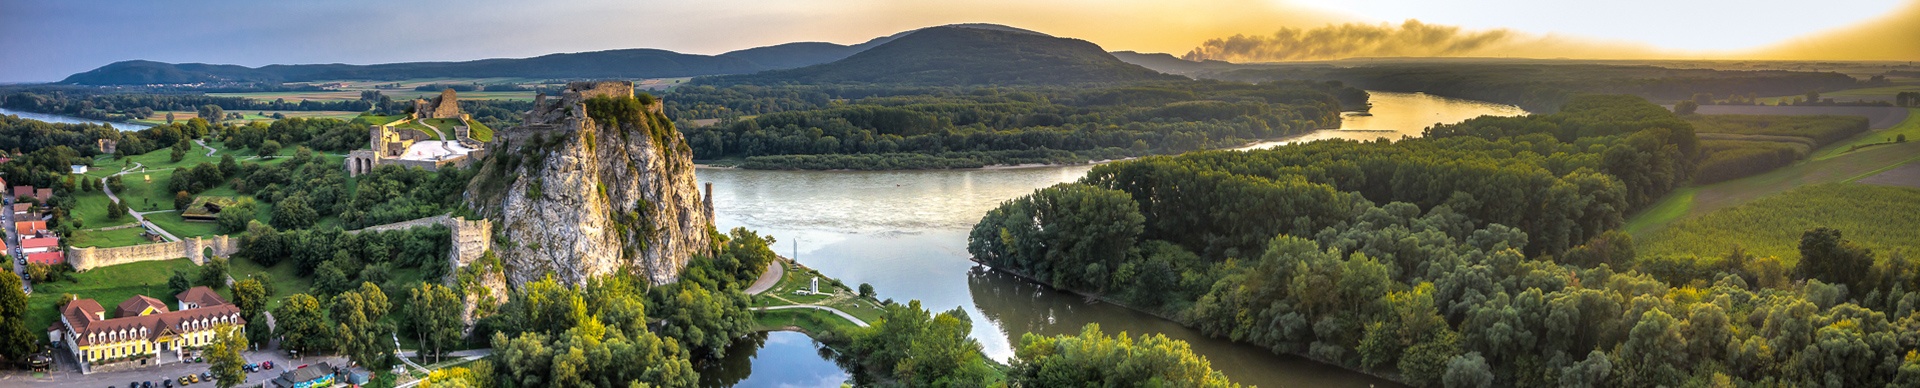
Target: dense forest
[
  {"x": 1544, "y": 87},
  {"x": 1483, "y": 255},
  {"x": 907, "y": 127}
]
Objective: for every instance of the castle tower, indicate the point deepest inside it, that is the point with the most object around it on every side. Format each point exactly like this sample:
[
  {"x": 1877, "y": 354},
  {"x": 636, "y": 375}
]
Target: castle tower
[{"x": 378, "y": 139}]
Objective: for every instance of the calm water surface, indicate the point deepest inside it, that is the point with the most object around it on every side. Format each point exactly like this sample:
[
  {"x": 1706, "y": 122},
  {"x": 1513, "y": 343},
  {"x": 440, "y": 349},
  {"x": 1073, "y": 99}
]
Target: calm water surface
[
  {"x": 905, "y": 232},
  {"x": 51, "y": 118}
]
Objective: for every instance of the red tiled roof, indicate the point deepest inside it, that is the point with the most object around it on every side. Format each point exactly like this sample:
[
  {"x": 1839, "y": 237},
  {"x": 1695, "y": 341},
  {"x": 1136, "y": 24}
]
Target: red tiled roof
[
  {"x": 27, "y": 227},
  {"x": 201, "y": 295},
  {"x": 48, "y": 258},
  {"x": 43, "y": 194},
  {"x": 43, "y": 242},
  {"x": 81, "y": 311},
  {"x": 22, "y": 207},
  {"x": 22, "y": 191},
  {"x": 138, "y": 303}
]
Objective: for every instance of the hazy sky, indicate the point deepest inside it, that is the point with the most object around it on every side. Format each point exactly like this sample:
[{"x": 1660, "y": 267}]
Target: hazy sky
[{"x": 47, "y": 40}]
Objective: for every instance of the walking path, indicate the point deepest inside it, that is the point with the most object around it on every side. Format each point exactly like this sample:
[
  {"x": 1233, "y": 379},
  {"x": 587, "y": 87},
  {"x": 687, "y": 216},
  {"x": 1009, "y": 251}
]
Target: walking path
[
  {"x": 842, "y": 314},
  {"x": 138, "y": 216},
  {"x": 775, "y": 270},
  {"x": 203, "y": 144}
]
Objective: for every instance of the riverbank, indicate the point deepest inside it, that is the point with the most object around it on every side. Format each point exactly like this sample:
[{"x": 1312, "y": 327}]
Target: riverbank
[{"x": 1093, "y": 297}]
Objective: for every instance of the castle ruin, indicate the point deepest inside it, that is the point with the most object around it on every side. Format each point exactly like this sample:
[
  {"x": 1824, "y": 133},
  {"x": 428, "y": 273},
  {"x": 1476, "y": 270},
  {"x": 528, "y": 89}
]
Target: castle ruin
[{"x": 446, "y": 106}]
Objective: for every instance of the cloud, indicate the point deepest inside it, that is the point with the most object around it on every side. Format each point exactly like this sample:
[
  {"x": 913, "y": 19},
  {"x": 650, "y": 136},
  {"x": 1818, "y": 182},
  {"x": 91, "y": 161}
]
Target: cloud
[
  {"x": 1409, "y": 39},
  {"x": 1895, "y": 36}
]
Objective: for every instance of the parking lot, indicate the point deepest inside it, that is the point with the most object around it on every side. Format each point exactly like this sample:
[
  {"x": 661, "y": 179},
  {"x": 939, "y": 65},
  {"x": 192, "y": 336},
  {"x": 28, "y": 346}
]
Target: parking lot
[{"x": 67, "y": 377}]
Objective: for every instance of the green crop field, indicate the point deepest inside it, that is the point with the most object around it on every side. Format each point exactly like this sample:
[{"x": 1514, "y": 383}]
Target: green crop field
[
  {"x": 108, "y": 285},
  {"x": 1877, "y": 217},
  {"x": 1694, "y": 201}
]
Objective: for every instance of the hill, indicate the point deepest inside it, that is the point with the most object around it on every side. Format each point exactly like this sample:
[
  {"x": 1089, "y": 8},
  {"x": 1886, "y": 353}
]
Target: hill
[
  {"x": 1167, "y": 63},
  {"x": 967, "y": 55},
  {"x": 627, "y": 63}
]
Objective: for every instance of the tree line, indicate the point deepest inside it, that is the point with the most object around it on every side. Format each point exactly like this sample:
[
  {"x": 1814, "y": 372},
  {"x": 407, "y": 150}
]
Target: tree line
[{"x": 864, "y": 127}]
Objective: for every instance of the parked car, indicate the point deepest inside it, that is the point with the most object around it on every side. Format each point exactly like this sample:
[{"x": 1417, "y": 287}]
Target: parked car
[
  {"x": 166, "y": 383},
  {"x": 266, "y": 365},
  {"x": 183, "y": 381},
  {"x": 206, "y": 376}
]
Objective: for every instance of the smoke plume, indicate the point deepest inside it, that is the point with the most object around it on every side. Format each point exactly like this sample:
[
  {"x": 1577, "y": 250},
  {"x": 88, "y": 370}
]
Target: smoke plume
[{"x": 1409, "y": 39}]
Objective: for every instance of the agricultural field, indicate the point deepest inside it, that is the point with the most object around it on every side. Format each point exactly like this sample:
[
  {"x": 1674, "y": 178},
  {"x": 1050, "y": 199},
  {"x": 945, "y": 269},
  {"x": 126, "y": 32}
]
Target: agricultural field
[
  {"x": 1906, "y": 176},
  {"x": 108, "y": 285},
  {"x": 1909, "y": 128},
  {"x": 1877, "y": 217},
  {"x": 1878, "y": 117},
  {"x": 1694, "y": 201},
  {"x": 160, "y": 117}
]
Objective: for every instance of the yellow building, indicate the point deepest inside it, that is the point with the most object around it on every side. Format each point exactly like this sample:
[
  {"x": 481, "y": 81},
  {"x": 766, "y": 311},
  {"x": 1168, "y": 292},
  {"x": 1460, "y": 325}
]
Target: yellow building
[{"x": 143, "y": 329}]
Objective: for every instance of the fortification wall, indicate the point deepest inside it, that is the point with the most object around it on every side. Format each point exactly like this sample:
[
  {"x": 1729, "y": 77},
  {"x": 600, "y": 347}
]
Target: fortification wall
[
  {"x": 193, "y": 248},
  {"x": 471, "y": 239},
  {"x": 615, "y": 89}
]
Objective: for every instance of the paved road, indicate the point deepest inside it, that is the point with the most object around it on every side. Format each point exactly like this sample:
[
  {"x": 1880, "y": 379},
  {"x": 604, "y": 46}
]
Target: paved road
[
  {"x": 842, "y": 314},
  {"x": 138, "y": 216},
  {"x": 770, "y": 277}
]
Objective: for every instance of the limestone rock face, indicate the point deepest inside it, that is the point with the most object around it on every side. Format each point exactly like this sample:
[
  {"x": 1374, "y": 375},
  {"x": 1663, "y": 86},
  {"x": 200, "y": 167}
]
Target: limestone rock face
[{"x": 577, "y": 198}]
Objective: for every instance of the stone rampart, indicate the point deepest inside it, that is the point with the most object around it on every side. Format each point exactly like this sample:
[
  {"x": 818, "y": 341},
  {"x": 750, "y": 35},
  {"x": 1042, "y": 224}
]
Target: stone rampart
[
  {"x": 471, "y": 238},
  {"x": 193, "y": 248}
]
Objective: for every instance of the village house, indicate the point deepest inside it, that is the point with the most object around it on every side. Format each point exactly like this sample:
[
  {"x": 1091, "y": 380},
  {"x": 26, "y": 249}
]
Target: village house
[
  {"x": 29, "y": 228},
  {"x": 36, "y": 245},
  {"x": 22, "y": 209},
  {"x": 43, "y": 195},
  {"x": 22, "y": 193},
  {"x": 78, "y": 169},
  {"x": 142, "y": 328},
  {"x": 46, "y": 258}
]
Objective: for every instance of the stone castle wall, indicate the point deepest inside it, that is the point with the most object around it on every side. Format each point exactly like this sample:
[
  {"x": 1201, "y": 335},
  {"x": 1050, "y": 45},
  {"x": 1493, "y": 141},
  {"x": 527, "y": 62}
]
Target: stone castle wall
[
  {"x": 471, "y": 238},
  {"x": 193, "y": 248}
]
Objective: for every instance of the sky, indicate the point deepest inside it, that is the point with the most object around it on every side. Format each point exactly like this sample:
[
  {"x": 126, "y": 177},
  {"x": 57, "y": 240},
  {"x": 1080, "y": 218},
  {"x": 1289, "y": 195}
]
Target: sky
[{"x": 48, "y": 40}]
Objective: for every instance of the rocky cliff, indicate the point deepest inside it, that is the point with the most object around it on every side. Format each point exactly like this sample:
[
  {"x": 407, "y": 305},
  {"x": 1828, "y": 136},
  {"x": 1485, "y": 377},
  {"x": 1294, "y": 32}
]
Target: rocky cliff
[{"x": 596, "y": 182}]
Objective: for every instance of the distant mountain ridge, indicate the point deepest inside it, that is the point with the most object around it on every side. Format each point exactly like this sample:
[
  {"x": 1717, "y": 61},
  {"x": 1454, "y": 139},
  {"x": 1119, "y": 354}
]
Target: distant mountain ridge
[
  {"x": 1035, "y": 49},
  {"x": 967, "y": 55}
]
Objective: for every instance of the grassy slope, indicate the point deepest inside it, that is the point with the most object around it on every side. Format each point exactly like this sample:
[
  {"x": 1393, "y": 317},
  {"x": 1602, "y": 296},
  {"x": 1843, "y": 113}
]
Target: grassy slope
[
  {"x": 1877, "y": 217},
  {"x": 1910, "y": 127},
  {"x": 108, "y": 285},
  {"x": 92, "y": 210},
  {"x": 286, "y": 280},
  {"x": 109, "y": 238}
]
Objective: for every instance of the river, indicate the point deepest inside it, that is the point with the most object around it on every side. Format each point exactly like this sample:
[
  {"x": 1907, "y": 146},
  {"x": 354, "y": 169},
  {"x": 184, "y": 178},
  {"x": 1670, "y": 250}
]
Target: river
[
  {"x": 905, "y": 232},
  {"x": 53, "y": 118}
]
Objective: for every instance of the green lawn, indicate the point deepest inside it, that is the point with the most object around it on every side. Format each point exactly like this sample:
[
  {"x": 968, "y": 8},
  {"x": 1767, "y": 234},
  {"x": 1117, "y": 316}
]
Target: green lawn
[
  {"x": 480, "y": 131},
  {"x": 91, "y": 208},
  {"x": 109, "y": 238},
  {"x": 108, "y": 285},
  {"x": 180, "y": 227},
  {"x": 1909, "y": 127},
  {"x": 373, "y": 119},
  {"x": 1877, "y": 217}
]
